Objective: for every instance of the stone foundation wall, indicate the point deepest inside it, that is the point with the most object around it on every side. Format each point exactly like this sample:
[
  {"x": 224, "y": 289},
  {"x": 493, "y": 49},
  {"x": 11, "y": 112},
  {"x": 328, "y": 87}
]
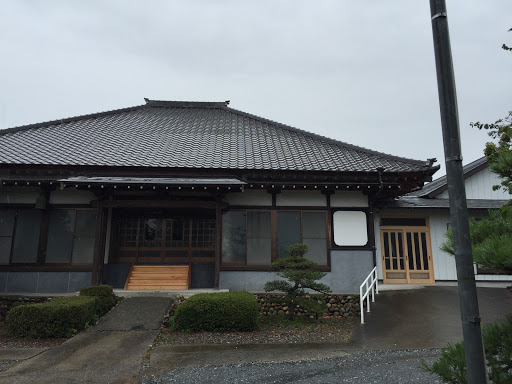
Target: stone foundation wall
[
  {"x": 7, "y": 302},
  {"x": 335, "y": 306}
]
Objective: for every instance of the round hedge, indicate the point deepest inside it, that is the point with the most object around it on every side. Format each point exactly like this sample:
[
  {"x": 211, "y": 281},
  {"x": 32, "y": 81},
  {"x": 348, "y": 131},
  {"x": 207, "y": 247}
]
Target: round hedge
[{"x": 236, "y": 311}]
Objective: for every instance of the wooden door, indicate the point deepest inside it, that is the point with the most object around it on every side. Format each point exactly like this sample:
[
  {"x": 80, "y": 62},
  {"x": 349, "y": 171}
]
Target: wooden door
[{"x": 406, "y": 255}]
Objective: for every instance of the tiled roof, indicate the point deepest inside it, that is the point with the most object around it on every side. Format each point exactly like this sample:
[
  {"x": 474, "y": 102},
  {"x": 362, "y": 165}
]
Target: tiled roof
[
  {"x": 419, "y": 202},
  {"x": 188, "y": 135},
  {"x": 439, "y": 185}
]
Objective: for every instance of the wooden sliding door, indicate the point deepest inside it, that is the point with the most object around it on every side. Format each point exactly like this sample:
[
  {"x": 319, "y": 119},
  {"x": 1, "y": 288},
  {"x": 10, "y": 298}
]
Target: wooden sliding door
[{"x": 406, "y": 253}]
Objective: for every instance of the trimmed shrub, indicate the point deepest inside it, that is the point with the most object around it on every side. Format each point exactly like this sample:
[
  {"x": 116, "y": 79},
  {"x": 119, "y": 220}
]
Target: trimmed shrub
[
  {"x": 97, "y": 291},
  {"x": 236, "y": 311},
  {"x": 60, "y": 317},
  {"x": 497, "y": 339},
  {"x": 105, "y": 297}
]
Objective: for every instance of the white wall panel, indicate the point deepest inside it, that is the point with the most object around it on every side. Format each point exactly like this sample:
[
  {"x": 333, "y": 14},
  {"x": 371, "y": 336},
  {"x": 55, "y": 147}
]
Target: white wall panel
[
  {"x": 19, "y": 195},
  {"x": 301, "y": 198},
  {"x": 479, "y": 186},
  {"x": 349, "y": 199},
  {"x": 71, "y": 196},
  {"x": 249, "y": 197},
  {"x": 350, "y": 228},
  {"x": 444, "y": 264}
]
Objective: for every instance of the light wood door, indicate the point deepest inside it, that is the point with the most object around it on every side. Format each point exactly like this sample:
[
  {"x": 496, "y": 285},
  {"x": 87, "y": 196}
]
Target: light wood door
[{"x": 406, "y": 255}]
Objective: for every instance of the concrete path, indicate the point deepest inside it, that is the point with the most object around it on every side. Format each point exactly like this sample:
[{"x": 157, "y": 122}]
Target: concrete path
[
  {"x": 111, "y": 352},
  {"x": 424, "y": 318},
  {"x": 168, "y": 357}
]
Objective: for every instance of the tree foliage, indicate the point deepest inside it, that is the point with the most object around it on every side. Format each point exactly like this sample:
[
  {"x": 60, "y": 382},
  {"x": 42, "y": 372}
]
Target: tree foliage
[
  {"x": 504, "y": 46},
  {"x": 499, "y": 154},
  {"x": 491, "y": 240},
  {"x": 300, "y": 274},
  {"x": 497, "y": 340}
]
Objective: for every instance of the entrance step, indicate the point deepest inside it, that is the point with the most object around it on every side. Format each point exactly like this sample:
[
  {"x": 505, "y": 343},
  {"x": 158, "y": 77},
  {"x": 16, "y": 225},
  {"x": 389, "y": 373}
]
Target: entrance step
[{"x": 158, "y": 277}]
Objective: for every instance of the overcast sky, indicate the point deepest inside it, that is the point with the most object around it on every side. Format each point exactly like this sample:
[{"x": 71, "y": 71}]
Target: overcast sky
[{"x": 362, "y": 72}]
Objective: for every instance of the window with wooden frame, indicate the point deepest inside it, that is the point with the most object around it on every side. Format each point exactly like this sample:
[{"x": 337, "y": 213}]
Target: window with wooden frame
[
  {"x": 71, "y": 236},
  {"x": 247, "y": 236},
  {"x": 19, "y": 235},
  {"x": 164, "y": 237}
]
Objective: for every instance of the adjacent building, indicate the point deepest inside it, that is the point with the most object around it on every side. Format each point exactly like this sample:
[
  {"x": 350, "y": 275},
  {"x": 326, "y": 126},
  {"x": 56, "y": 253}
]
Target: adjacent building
[{"x": 410, "y": 230}]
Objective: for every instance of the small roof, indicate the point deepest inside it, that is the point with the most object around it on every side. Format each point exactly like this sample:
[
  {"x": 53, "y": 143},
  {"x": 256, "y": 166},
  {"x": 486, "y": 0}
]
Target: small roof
[
  {"x": 184, "y": 135},
  {"x": 440, "y": 185},
  {"x": 420, "y": 202},
  {"x": 151, "y": 181}
]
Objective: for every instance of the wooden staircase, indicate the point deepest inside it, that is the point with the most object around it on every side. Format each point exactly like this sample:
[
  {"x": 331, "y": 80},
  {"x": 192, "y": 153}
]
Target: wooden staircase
[{"x": 158, "y": 277}]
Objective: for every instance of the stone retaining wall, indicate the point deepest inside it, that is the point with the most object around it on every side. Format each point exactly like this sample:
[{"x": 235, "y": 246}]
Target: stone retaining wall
[
  {"x": 335, "y": 306},
  {"x": 7, "y": 302}
]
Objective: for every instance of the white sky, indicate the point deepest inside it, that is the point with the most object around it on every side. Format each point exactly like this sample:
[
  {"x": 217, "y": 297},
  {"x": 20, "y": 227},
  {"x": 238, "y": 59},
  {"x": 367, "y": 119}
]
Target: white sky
[{"x": 362, "y": 72}]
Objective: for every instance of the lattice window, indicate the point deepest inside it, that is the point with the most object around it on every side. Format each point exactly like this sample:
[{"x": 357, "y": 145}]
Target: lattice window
[
  {"x": 128, "y": 232},
  {"x": 177, "y": 232},
  {"x": 203, "y": 233},
  {"x": 150, "y": 235}
]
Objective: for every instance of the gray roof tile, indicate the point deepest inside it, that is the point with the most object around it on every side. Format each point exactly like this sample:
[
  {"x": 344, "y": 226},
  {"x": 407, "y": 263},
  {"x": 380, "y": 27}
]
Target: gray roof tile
[
  {"x": 188, "y": 135},
  {"x": 419, "y": 202}
]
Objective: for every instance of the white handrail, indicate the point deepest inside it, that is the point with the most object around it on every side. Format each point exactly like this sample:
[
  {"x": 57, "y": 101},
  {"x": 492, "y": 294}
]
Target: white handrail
[{"x": 370, "y": 283}]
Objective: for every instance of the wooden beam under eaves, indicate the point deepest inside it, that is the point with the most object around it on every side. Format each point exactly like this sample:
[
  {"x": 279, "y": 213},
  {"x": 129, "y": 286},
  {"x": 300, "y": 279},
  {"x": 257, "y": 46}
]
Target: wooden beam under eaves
[{"x": 158, "y": 204}]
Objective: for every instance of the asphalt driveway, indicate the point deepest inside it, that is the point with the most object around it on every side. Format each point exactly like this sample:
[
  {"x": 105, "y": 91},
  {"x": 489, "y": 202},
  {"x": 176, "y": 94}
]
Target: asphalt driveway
[{"x": 424, "y": 318}]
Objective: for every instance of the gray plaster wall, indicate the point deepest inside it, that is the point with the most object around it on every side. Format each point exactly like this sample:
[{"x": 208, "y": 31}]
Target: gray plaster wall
[
  {"x": 348, "y": 270},
  {"x": 43, "y": 282}
]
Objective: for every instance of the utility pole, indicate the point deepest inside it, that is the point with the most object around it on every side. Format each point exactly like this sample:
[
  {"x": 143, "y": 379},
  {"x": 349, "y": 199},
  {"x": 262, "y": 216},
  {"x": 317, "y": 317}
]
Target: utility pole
[{"x": 473, "y": 346}]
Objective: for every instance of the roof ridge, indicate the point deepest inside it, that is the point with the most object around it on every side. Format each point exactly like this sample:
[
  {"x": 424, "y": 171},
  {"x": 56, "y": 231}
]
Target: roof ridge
[
  {"x": 330, "y": 140},
  {"x": 186, "y": 104},
  {"x": 68, "y": 119}
]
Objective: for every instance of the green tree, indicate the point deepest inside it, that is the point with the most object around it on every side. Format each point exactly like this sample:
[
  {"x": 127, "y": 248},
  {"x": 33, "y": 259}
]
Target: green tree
[
  {"x": 497, "y": 339},
  {"x": 301, "y": 274},
  {"x": 499, "y": 154},
  {"x": 505, "y": 47},
  {"x": 491, "y": 241}
]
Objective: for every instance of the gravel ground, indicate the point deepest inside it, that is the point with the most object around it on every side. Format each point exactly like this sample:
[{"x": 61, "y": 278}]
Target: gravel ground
[
  {"x": 337, "y": 330},
  {"x": 382, "y": 367},
  {"x": 7, "y": 342}
]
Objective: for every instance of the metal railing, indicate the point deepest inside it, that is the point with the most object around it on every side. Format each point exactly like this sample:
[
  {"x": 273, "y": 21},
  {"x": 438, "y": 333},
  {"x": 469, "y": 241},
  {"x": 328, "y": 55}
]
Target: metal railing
[{"x": 371, "y": 285}]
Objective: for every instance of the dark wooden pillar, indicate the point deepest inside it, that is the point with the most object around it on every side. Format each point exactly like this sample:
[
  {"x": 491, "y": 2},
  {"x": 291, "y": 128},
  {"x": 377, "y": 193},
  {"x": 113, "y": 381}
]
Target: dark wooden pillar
[
  {"x": 371, "y": 227},
  {"x": 99, "y": 244},
  {"x": 42, "y": 203},
  {"x": 330, "y": 229},
  {"x": 218, "y": 238}
]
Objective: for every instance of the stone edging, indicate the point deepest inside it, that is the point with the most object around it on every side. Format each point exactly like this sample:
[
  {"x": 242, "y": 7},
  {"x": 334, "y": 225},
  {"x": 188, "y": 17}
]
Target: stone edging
[{"x": 335, "y": 306}]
